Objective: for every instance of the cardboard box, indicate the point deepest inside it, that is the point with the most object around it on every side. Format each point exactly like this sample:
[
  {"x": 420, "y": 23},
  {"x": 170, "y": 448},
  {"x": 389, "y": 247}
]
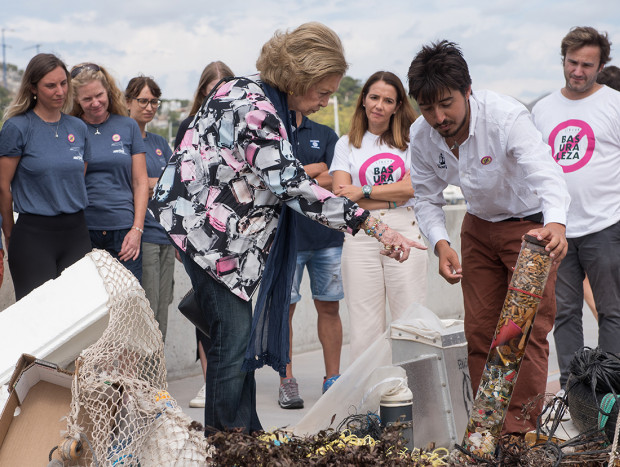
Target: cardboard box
[{"x": 41, "y": 393}]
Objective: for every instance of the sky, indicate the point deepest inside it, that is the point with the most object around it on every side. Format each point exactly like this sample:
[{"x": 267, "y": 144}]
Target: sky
[{"x": 512, "y": 47}]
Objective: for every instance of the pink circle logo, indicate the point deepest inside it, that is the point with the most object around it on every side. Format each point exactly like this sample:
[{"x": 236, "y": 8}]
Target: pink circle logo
[
  {"x": 158, "y": 152},
  {"x": 572, "y": 143},
  {"x": 116, "y": 137},
  {"x": 71, "y": 138},
  {"x": 382, "y": 169},
  {"x": 486, "y": 160}
]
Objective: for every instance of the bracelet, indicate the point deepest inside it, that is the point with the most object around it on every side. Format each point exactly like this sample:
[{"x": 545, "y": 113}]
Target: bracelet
[
  {"x": 389, "y": 205},
  {"x": 137, "y": 228},
  {"x": 380, "y": 234},
  {"x": 394, "y": 204},
  {"x": 371, "y": 230}
]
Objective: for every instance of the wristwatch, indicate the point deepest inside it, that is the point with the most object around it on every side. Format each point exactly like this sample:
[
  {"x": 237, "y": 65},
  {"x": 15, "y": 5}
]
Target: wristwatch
[{"x": 366, "y": 190}]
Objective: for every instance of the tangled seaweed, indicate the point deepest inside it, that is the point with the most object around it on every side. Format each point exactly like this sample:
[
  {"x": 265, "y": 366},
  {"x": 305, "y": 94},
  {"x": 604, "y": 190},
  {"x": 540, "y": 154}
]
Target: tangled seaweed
[
  {"x": 587, "y": 450},
  {"x": 331, "y": 447},
  {"x": 359, "y": 440},
  {"x": 327, "y": 447}
]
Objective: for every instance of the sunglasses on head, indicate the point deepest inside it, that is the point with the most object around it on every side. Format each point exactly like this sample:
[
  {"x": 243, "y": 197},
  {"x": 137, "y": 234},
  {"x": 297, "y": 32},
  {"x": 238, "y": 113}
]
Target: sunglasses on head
[{"x": 87, "y": 66}]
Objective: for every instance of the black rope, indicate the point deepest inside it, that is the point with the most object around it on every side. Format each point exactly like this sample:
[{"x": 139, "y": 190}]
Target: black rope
[
  {"x": 362, "y": 424},
  {"x": 549, "y": 420},
  {"x": 598, "y": 369},
  {"x": 52, "y": 452}
]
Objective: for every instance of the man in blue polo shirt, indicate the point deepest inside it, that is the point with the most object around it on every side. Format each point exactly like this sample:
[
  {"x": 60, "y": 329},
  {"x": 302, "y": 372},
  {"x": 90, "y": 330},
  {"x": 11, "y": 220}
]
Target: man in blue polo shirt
[{"x": 319, "y": 249}]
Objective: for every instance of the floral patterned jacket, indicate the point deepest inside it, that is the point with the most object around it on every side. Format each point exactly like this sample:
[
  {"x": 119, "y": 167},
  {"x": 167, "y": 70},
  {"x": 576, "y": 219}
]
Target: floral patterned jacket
[{"x": 220, "y": 196}]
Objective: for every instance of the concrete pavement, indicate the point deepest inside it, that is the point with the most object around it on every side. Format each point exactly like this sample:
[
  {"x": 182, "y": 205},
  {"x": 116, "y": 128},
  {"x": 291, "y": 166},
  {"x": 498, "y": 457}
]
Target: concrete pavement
[{"x": 308, "y": 369}]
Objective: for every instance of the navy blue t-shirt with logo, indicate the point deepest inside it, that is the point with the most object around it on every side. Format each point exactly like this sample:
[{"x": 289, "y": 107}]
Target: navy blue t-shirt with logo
[
  {"x": 108, "y": 177},
  {"x": 157, "y": 156},
  {"x": 315, "y": 143},
  {"x": 49, "y": 179}
]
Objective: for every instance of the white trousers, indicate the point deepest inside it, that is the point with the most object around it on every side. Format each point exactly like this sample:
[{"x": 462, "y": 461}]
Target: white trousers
[{"x": 369, "y": 278}]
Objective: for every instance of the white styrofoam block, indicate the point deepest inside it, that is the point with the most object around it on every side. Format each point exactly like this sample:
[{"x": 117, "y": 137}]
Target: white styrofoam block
[{"x": 57, "y": 320}]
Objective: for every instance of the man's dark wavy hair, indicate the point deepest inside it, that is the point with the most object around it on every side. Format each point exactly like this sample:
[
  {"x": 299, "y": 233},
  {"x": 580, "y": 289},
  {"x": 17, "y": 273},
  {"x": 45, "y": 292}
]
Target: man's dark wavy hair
[{"x": 437, "y": 67}]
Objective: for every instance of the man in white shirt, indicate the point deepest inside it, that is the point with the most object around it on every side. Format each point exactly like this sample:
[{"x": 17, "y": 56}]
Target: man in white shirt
[
  {"x": 581, "y": 123},
  {"x": 486, "y": 144}
]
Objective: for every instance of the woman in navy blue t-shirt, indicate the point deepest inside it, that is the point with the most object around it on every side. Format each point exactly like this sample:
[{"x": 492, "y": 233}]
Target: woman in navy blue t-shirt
[
  {"x": 43, "y": 155},
  {"x": 142, "y": 97},
  {"x": 116, "y": 179}
]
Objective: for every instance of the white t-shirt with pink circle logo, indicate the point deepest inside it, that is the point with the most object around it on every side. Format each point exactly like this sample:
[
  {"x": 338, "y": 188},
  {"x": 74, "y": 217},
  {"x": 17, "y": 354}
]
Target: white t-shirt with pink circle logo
[
  {"x": 584, "y": 135},
  {"x": 373, "y": 163}
]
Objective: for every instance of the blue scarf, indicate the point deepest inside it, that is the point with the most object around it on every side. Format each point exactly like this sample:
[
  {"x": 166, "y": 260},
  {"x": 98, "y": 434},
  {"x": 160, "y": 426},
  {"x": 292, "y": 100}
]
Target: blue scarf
[{"x": 269, "y": 338}]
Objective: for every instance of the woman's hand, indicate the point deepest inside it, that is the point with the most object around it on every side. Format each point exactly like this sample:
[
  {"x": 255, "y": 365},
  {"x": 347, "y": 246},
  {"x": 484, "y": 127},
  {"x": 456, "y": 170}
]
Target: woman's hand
[
  {"x": 130, "y": 249},
  {"x": 397, "y": 246},
  {"x": 354, "y": 193}
]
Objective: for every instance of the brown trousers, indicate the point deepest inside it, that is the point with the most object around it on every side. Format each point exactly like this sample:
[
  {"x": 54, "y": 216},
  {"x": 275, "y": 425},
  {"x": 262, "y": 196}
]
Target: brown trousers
[{"x": 489, "y": 251}]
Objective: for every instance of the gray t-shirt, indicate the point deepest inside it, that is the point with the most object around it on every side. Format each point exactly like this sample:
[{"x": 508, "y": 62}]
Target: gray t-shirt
[
  {"x": 108, "y": 177},
  {"x": 49, "y": 179}
]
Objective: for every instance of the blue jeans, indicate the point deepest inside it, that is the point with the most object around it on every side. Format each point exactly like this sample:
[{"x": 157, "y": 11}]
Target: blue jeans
[
  {"x": 598, "y": 256},
  {"x": 112, "y": 242},
  {"x": 230, "y": 398},
  {"x": 324, "y": 272}
]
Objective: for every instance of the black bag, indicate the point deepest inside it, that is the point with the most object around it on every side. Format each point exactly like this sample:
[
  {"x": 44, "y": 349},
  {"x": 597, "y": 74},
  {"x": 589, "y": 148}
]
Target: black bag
[
  {"x": 588, "y": 368},
  {"x": 190, "y": 308}
]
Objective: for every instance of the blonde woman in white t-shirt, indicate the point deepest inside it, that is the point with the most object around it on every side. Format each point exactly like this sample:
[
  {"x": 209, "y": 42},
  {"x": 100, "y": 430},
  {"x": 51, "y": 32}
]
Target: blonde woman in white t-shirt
[{"x": 371, "y": 167}]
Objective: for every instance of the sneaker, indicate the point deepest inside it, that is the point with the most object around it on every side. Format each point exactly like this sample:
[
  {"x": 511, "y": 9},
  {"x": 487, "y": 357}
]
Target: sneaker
[
  {"x": 559, "y": 401},
  {"x": 199, "y": 400},
  {"x": 327, "y": 382},
  {"x": 289, "y": 395}
]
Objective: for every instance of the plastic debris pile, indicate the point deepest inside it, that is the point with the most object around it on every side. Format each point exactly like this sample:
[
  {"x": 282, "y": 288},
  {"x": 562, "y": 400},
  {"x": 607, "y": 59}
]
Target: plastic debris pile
[{"x": 120, "y": 402}]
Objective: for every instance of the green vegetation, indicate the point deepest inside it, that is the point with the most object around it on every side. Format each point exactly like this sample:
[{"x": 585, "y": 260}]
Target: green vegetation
[
  {"x": 348, "y": 91},
  {"x": 174, "y": 118},
  {"x": 5, "y": 99},
  {"x": 347, "y": 95},
  {"x": 14, "y": 74}
]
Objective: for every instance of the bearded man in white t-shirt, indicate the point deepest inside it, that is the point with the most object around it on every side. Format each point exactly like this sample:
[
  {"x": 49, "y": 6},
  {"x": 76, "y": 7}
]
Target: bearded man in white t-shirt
[
  {"x": 581, "y": 123},
  {"x": 486, "y": 144}
]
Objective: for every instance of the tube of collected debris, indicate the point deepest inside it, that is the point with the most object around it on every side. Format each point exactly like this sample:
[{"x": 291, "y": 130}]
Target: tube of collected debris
[
  {"x": 507, "y": 348},
  {"x": 397, "y": 407}
]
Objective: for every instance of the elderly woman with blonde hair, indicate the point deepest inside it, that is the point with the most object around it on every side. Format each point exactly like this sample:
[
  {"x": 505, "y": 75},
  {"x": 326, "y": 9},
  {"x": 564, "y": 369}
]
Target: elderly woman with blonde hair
[{"x": 224, "y": 200}]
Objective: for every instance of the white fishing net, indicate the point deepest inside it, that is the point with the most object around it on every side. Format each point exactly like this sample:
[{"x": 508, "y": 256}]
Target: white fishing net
[{"x": 120, "y": 404}]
